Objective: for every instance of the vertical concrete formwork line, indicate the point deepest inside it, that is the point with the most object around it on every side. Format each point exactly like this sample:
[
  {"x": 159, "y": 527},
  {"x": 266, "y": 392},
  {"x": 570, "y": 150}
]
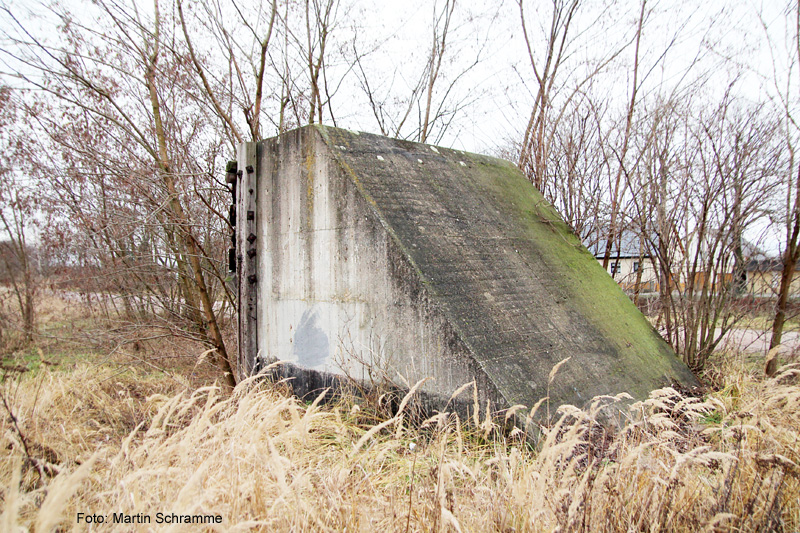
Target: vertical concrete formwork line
[{"x": 247, "y": 256}]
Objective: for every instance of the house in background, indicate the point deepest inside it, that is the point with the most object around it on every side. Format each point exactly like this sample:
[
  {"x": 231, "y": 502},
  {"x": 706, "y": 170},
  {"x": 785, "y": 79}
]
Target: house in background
[
  {"x": 629, "y": 257},
  {"x": 764, "y": 278}
]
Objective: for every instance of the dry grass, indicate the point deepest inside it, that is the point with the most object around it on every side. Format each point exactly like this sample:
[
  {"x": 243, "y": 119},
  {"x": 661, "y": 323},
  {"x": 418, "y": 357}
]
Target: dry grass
[
  {"x": 102, "y": 442},
  {"x": 73, "y": 332},
  {"x": 105, "y": 432}
]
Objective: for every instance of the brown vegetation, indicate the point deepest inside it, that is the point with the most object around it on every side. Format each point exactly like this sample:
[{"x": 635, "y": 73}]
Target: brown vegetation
[{"x": 123, "y": 437}]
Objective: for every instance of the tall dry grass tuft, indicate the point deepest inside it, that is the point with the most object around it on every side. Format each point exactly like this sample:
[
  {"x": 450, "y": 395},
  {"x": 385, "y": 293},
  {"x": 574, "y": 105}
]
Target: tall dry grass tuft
[{"x": 266, "y": 462}]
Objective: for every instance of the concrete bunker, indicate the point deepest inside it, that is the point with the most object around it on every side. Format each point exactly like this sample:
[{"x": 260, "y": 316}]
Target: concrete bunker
[{"x": 380, "y": 260}]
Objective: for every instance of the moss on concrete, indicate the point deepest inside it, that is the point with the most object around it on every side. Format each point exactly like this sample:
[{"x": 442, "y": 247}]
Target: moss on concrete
[
  {"x": 591, "y": 291},
  {"x": 514, "y": 281}
]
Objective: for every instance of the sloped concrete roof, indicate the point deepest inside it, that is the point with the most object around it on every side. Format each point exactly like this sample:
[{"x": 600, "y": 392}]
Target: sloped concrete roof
[{"x": 517, "y": 285}]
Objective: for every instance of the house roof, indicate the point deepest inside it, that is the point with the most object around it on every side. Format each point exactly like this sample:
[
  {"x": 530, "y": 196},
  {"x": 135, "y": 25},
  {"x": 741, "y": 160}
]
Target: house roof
[
  {"x": 764, "y": 265},
  {"x": 627, "y": 246}
]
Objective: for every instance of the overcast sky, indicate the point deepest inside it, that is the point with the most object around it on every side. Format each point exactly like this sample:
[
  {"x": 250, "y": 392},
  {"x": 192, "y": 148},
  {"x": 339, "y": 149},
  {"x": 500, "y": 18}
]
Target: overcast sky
[
  {"x": 688, "y": 47},
  {"x": 685, "y": 45}
]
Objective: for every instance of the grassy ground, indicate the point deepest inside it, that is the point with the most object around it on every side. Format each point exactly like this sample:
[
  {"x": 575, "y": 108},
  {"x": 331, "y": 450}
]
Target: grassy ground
[{"x": 125, "y": 437}]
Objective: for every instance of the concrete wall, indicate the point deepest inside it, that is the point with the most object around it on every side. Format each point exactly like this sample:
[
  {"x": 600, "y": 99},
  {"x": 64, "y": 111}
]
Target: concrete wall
[
  {"x": 381, "y": 259},
  {"x": 337, "y": 295}
]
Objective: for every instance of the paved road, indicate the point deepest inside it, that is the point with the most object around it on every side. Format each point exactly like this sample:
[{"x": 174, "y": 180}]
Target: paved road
[{"x": 755, "y": 341}]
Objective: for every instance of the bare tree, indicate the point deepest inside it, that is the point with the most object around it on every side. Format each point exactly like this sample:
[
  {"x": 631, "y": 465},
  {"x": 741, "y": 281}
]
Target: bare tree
[
  {"x": 550, "y": 54},
  {"x": 622, "y": 153},
  {"x": 786, "y": 95},
  {"x": 241, "y": 87},
  {"x": 17, "y": 209},
  {"x": 709, "y": 176},
  {"x": 440, "y": 27},
  {"x": 420, "y": 99},
  {"x": 126, "y": 83},
  {"x": 577, "y": 167},
  {"x": 534, "y": 145}
]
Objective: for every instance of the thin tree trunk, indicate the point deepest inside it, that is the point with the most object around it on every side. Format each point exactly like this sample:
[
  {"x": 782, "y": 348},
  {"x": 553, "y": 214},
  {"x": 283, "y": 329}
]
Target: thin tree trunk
[
  {"x": 790, "y": 258},
  {"x": 188, "y": 241},
  {"x": 612, "y": 230},
  {"x": 637, "y": 287}
]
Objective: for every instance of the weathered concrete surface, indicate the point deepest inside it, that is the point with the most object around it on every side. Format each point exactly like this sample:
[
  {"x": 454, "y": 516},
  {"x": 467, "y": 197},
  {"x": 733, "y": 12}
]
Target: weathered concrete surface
[{"x": 381, "y": 259}]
